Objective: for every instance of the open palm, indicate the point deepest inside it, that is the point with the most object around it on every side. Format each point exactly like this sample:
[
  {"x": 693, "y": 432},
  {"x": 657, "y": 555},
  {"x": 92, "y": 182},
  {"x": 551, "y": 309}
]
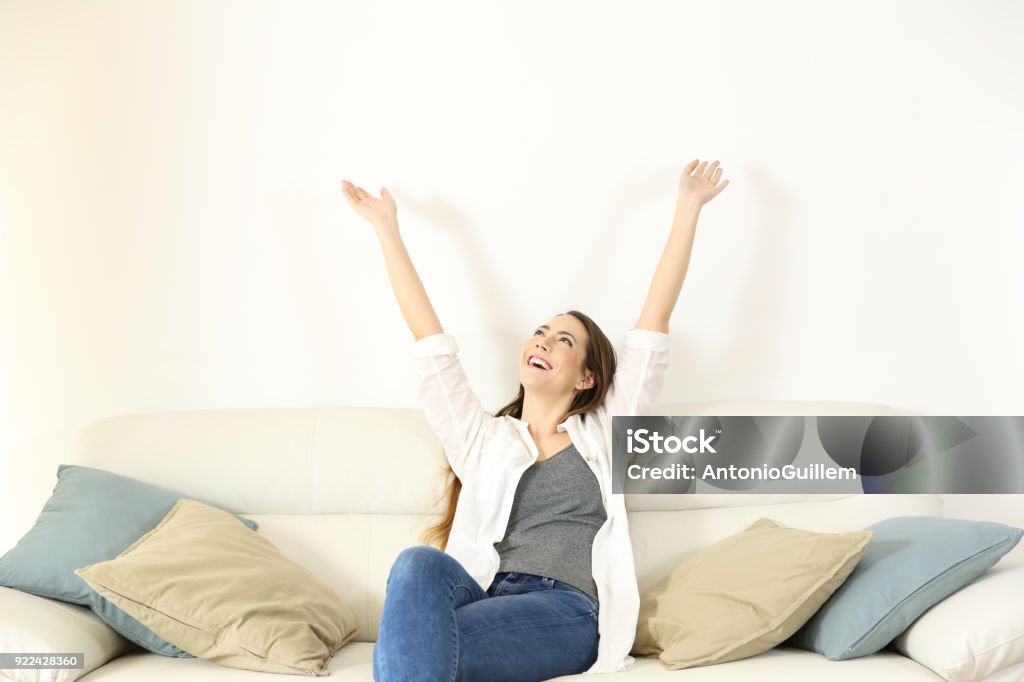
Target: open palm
[
  {"x": 701, "y": 183},
  {"x": 373, "y": 209}
]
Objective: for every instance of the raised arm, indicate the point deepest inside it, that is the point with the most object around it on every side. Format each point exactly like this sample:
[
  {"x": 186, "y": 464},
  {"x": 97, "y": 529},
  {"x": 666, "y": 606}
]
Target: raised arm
[
  {"x": 452, "y": 409},
  {"x": 412, "y": 298},
  {"x": 697, "y": 186}
]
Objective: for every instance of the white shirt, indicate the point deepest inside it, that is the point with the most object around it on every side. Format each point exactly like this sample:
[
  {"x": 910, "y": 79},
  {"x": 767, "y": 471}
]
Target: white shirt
[{"x": 489, "y": 455}]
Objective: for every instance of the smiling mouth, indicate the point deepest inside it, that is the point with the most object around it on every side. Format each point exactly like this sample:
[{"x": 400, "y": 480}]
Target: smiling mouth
[{"x": 538, "y": 363}]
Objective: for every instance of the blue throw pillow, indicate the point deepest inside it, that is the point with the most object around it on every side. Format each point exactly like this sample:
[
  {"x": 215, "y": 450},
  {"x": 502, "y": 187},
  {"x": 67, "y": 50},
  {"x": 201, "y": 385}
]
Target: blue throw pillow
[
  {"x": 92, "y": 516},
  {"x": 911, "y": 564}
]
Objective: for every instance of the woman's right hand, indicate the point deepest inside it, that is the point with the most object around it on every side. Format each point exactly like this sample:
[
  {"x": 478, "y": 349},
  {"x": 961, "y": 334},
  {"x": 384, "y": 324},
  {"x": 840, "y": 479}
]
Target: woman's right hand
[
  {"x": 376, "y": 211},
  {"x": 412, "y": 297}
]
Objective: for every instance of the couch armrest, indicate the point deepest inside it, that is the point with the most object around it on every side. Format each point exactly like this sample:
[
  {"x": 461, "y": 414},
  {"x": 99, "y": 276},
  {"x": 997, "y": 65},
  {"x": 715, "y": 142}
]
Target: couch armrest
[{"x": 32, "y": 624}]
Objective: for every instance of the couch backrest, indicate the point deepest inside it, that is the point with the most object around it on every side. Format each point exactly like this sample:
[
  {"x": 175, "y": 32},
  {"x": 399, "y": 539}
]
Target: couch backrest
[{"x": 342, "y": 490}]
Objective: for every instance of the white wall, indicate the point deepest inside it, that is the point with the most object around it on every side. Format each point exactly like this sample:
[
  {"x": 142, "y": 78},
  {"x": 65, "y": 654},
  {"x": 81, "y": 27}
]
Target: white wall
[{"x": 173, "y": 236}]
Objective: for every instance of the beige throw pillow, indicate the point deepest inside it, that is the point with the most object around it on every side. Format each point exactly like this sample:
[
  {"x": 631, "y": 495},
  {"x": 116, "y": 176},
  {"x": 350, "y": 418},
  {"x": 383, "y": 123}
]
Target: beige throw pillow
[
  {"x": 208, "y": 584},
  {"x": 744, "y": 594}
]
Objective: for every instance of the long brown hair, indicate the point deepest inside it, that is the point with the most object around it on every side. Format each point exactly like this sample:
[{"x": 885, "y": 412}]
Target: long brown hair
[{"x": 600, "y": 359}]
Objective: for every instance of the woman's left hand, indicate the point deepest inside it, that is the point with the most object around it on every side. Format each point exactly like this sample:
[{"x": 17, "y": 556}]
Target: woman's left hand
[{"x": 700, "y": 184}]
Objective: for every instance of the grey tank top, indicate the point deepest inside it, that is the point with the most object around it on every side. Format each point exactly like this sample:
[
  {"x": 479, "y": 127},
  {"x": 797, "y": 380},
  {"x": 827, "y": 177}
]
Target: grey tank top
[{"x": 556, "y": 513}]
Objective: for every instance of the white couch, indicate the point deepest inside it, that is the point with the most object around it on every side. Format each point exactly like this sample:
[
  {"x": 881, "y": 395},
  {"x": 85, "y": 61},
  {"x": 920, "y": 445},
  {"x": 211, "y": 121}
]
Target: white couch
[{"x": 342, "y": 490}]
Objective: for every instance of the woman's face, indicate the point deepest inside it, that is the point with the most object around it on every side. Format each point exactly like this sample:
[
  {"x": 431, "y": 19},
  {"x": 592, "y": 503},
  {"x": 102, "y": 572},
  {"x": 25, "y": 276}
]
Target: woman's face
[{"x": 561, "y": 346}]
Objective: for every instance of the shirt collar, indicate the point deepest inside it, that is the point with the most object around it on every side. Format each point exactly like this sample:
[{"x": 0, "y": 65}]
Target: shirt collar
[{"x": 564, "y": 426}]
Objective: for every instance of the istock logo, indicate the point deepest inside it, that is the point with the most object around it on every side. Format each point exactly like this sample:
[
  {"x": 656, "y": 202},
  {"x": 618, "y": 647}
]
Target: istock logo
[{"x": 652, "y": 441}]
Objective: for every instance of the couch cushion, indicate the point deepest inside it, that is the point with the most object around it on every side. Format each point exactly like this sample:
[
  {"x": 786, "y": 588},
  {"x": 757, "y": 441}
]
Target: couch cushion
[
  {"x": 743, "y": 595},
  {"x": 912, "y": 563},
  {"x": 316, "y": 460},
  {"x": 974, "y": 633},
  {"x": 354, "y": 663},
  {"x": 218, "y": 590}
]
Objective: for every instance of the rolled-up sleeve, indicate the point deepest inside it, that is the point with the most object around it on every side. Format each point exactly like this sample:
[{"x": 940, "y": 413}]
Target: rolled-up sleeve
[
  {"x": 640, "y": 374},
  {"x": 452, "y": 408},
  {"x": 435, "y": 344}
]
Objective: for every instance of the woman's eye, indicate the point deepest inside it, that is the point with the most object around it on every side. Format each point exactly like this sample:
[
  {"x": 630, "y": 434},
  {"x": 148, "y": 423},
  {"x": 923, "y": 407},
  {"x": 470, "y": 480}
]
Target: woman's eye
[
  {"x": 567, "y": 341},
  {"x": 536, "y": 332}
]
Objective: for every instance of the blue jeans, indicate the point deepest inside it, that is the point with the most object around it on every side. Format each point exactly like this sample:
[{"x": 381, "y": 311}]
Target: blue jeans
[{"x": 439, "y": 625}]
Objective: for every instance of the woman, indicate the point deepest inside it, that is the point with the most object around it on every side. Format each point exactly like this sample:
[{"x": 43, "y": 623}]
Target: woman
[{"x": 535, "y": 575}]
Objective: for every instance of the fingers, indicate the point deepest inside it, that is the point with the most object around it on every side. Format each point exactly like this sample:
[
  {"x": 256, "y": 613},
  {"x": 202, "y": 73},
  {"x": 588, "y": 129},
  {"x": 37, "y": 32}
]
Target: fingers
[
  {"x": 348, "y": 191},
  {"x": 353, "y": 192},
  {"x": 711, "y": 173},
  {"x": 707, "y": 172},
  {"x": 356, "y": 194}
]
